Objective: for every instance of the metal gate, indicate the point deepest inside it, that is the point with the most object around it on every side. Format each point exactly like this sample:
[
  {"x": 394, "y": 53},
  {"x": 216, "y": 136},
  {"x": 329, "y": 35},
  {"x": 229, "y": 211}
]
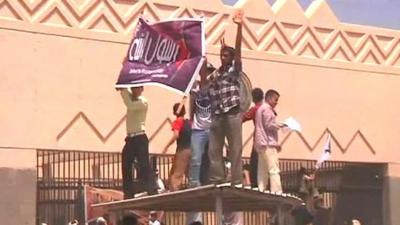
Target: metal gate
[{"x": 350, "y": 190}]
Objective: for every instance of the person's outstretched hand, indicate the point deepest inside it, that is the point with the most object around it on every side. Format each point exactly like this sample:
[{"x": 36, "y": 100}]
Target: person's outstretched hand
[{"x": 222, "y": 43}]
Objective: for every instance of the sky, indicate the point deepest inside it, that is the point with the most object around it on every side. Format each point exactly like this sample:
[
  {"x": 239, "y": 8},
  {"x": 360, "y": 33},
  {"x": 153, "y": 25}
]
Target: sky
[{"x": 379, "y": 13}]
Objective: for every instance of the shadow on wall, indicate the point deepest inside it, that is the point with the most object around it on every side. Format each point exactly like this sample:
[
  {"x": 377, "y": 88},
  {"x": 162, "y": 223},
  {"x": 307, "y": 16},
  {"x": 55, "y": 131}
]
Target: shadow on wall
[{"x": 18, "y": 196}]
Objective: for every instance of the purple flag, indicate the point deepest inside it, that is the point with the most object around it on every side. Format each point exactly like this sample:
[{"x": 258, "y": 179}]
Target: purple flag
[{"x": 168, "y": 54}]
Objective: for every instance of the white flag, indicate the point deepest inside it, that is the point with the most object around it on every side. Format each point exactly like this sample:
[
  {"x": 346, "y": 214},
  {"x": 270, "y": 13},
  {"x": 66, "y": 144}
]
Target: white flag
[{"x": 326, "y": 152}]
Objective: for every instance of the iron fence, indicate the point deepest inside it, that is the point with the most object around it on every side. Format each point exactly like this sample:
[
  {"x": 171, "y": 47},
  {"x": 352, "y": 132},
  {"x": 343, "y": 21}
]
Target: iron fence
[{"x": 61, "y": 176}]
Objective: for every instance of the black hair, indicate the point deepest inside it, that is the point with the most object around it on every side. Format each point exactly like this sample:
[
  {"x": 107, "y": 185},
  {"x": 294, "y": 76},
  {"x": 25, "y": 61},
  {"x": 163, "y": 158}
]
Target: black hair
[
  {"x": 246, "y": 166},
  {"x": 270, "y": 93},
  {"x": 196, "y": 223},
  {"x": 210, "y": 68},
  {"x": 257, "y": 95},
  {"x": 129, "y": 219},
  {"x": 228, "y": 49},
  {"x": 182, "y": 112},
  {"x": 303, "y": 170}
]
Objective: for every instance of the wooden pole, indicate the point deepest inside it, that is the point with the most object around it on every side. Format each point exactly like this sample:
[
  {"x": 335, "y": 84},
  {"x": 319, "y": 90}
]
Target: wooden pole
[{"x": 218, "y": 209}]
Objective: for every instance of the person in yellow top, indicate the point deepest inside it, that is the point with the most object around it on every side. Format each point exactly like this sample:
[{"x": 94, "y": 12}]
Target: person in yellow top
[{"x": 136, "y": 144}]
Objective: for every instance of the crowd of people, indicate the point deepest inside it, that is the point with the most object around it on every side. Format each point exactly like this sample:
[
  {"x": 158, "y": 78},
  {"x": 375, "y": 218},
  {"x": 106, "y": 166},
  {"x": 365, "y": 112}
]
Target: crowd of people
[
  {"x": 132, "y": 219},
  {"x": 215, "y": 115}
]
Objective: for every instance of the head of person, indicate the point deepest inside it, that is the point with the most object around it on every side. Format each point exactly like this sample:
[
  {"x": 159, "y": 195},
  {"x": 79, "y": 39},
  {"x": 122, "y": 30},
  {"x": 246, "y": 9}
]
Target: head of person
[
  {"x": 129, "y": 219},
  {"x": 302, "y": 170},
  {"x": 246, "y": 166},
  {"x": 196, "y": 223},
  {"x": 101, "y": 221},
  {"x": 179, "y": 112},
  {"x": 73, "y": 222},
  {"x": 257, "y": 95},
  {"x": 137, "y": 91},
  {"x": 153, "y": 215},
  {"x": 227, "y": 55},
  {"x": 272, "y": 97}
]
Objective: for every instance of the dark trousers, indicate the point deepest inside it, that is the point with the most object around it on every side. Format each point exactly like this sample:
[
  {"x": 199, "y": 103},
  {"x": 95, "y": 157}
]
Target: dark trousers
[
  {"x": 137, "y": 148},
  {"x": 229, "y": 126},
  {"x": 253, "y": 168}
]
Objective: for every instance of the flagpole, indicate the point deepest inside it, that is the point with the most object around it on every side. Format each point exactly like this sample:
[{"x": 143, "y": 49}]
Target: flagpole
[{"x": 181, "y": 104}]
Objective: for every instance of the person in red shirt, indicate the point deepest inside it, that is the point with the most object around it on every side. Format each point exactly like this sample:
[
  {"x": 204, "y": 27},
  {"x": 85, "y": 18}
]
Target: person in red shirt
[
  {"x": 258, "y": 97},
  {"x": 182, "y": 132}
]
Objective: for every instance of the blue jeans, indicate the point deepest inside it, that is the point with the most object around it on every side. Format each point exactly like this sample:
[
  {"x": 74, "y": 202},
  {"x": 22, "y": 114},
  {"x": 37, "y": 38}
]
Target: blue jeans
[{"x": 199, "y": 140}]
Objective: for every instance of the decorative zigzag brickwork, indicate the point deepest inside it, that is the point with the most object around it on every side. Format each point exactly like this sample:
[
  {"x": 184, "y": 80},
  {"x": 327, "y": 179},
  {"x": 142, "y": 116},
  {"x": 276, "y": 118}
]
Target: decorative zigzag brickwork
[
  {"x": 282, "y": 32},
  {"x": 247, "y": 141},
  {"x": 274, "y": 33},
  {"x": 102, "y": 137}
]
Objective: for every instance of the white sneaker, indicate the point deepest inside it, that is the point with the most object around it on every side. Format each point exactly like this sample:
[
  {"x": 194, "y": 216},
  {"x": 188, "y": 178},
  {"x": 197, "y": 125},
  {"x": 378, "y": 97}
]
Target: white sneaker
[
  {"x": 141, "y": 194},
  {"x": 227, "y": 184},
  {"x": 239, "y": 186}
]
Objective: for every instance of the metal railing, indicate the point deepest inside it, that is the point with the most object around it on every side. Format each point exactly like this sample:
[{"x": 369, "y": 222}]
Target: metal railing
[{"x": 61, "y": 176}]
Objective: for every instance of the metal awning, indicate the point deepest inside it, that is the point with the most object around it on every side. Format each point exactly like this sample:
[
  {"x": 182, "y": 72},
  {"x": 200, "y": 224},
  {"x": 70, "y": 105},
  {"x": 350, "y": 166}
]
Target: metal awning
[{"x": 216, "y": 198}]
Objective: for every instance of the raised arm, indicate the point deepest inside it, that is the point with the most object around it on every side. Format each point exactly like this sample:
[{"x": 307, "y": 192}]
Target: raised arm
[
  {"x": 129, "y": 101},
  {"x": 203, "y": 73},
  {"x": 238, "y": 19}
]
